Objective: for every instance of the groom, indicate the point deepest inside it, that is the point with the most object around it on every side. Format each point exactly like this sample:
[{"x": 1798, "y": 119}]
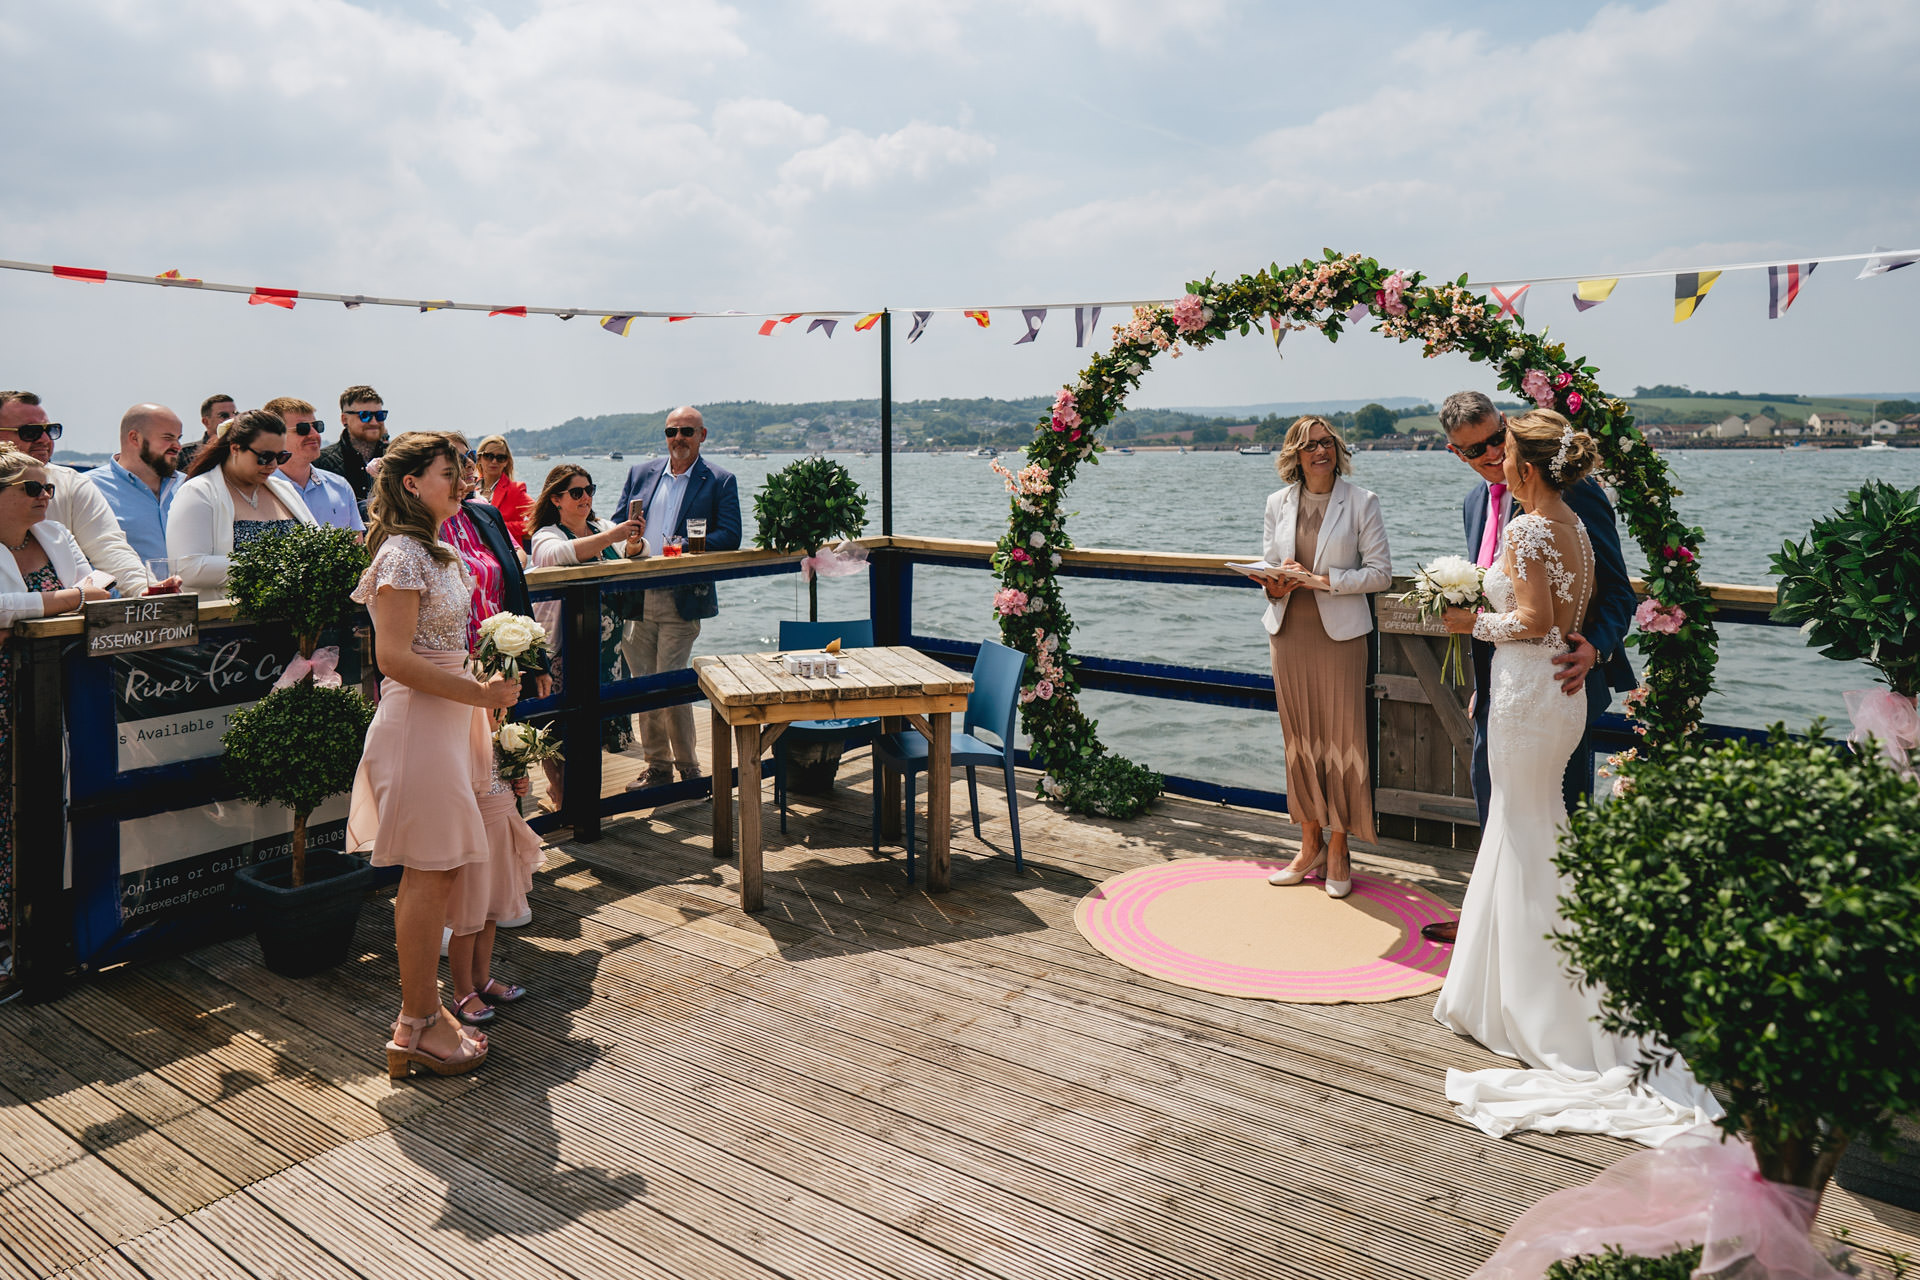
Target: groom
[{"x": 1477, "y": 434}]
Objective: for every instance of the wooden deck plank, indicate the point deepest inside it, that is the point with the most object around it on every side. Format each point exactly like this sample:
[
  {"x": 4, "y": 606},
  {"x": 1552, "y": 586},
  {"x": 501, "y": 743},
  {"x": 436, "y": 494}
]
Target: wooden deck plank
[
  {"x": 42, "y": 1231},
  {"x": 178, "y": 1251},
  {"x": 85, "y": 1186},
  {"x": 267, "y": 1245}
]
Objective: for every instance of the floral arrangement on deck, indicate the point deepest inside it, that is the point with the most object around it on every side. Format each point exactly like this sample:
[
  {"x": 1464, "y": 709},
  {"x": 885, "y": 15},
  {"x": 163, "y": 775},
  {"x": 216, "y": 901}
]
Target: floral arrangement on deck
[{"x": 1332, "y": 294}]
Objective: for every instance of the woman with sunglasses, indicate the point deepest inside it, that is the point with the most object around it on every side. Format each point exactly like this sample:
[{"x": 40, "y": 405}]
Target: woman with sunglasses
[
  {"x": 565, "y": 531},
  {"x": 43, "y": 573},
  {"x": 1330, "y": 544},
  {"x": 234, "y": 495},
  {"x": 497, "y": 486}
]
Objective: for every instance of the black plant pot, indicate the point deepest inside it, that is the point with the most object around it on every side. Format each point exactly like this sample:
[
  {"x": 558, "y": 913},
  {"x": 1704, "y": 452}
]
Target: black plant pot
[
  {"x": 1893, "y": 1177},
  {"x": 812, "y": 765},
  {"x": 309, "y": 929}
]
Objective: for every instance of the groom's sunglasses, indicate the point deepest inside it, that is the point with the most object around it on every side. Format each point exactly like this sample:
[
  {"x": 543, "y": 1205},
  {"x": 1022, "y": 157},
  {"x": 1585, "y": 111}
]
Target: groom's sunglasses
[{"x": 1472, "y": 451}]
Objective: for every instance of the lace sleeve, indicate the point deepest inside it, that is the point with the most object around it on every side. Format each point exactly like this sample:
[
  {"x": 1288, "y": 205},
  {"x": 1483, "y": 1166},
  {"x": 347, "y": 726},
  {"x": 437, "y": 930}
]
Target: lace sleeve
[
  {"x": 1537, "y": 574},
  {"x": 401, "y": 563}
]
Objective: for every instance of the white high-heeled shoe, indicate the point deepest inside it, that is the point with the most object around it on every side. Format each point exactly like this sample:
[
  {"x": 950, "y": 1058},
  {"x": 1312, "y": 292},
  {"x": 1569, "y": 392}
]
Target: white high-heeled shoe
[
  {"x": 1288, "y": 875},
  {"x": 1341, "y": 888}
]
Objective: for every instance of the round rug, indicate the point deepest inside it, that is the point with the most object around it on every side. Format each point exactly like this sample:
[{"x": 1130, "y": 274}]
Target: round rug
[{"x": 1219, "y": 926}]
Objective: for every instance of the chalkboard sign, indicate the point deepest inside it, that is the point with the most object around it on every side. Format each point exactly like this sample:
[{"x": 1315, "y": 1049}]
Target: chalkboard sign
[{"x": 144, "y": 622}]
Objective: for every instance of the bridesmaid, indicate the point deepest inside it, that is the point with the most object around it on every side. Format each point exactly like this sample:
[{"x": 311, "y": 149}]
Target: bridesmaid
[{"x": 428, "y": 752}]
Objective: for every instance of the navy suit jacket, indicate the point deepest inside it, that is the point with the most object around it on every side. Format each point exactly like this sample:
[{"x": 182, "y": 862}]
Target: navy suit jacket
[
  {"x": 1610, "y": 614},
  {"x": 712, "y": 493}
]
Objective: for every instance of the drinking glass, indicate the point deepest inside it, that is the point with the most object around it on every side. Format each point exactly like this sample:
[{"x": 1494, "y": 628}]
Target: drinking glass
[
  {"x": 696, "y": 536},
  {"x": 673, "y": 546},
  {"x": 158, "y": 571}
]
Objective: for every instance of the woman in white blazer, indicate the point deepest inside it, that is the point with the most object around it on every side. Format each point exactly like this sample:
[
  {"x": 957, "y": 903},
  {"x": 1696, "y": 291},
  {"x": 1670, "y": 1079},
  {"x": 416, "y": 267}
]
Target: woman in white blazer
[
  {"x": 234, "y": 494},
  {"x": 1331, "y": 545}
]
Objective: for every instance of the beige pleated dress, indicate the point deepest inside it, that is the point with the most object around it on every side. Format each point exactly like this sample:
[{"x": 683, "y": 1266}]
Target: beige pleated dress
[{"x": 1321, "y": 688}]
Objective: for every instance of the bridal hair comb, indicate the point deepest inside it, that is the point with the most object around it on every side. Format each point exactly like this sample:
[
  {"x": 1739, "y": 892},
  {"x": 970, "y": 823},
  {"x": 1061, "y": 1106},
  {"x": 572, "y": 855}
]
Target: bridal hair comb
[{"x": 1560, "y": 458}]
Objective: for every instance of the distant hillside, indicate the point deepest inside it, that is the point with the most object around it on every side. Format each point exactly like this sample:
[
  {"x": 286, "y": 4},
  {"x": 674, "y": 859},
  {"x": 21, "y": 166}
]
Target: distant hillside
[{"x": 1293, "y": 408}]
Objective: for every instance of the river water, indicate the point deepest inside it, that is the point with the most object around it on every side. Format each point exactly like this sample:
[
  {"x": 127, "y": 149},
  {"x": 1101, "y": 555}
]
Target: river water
[{"x": 1747, "y": 501}]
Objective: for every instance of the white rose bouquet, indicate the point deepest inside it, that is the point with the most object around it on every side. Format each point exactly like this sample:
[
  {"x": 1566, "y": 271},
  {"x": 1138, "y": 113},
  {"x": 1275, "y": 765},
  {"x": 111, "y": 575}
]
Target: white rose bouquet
[
  {"x": 509, "y": 642},
  {"x": 1451, "y": 582},
  {"x": 517, "y": 747}
]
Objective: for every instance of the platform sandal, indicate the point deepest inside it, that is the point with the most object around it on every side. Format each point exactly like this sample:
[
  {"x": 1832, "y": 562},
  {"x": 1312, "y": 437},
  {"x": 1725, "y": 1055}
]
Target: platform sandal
[{"x": 403, "y": 1058}]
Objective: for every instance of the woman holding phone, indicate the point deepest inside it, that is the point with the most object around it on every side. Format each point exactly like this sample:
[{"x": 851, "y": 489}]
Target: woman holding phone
[{"x": 1330, "y": 543}]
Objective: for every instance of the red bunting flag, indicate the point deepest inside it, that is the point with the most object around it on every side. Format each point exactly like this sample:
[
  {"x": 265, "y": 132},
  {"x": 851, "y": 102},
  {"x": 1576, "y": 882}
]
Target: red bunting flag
[
  {"x": 866, "y": 322},
  {"x": 509, "y": 311},
  {"x": 676, "y": 319},
  {"x": 767, "y": 327},
  {"x": 262, "y": 295},
  {"x": 978, "y": 317},
  {"x": 81, "y": 273}
]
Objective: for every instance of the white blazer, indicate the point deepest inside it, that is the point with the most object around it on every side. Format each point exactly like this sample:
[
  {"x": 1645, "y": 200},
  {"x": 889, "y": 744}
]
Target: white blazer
[
  {"x": 200, "y": 528},
  {"x": 1351, "y": 552},
  {"x": 63, "y": 553}
]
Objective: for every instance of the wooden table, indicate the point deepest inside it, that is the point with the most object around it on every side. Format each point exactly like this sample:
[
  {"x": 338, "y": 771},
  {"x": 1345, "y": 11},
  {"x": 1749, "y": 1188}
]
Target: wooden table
[{"x": 754, "y": 700}]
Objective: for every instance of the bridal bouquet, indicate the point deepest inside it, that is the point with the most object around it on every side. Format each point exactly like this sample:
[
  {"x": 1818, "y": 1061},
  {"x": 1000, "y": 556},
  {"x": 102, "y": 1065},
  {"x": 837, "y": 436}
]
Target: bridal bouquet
[
  {"x": 1448, "y": 583},
  {"x": 508, "y": 642},
  {"x": 518, "y": 747}
]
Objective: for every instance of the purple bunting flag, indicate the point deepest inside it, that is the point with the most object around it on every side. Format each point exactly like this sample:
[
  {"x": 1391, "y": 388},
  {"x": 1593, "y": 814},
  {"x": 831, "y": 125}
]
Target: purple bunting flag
[
  {"x": 1033, "y": 316},
  {"x": 823, "y": 323},
  {"x": 1084, "y": 323},
  {"x": 920, "y": 319}
]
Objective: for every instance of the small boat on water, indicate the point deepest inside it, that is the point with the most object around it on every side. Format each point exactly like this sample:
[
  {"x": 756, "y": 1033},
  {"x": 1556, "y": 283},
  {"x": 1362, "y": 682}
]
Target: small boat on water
[
  {"x": 985, "y": 451},
  {"x": 1124, "y": 452},
  {"x": 539, "y": 457},
  {"x": 1256, "y": 450},
  {"x": 1877, "y": 446},
  {"x": 616, "y": 455},
  {"x": 756, "y": 454}
]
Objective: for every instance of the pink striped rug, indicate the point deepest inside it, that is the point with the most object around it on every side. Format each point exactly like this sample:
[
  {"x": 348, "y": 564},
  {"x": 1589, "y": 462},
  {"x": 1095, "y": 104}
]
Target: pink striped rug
[{"x": 1218, "y": 925}]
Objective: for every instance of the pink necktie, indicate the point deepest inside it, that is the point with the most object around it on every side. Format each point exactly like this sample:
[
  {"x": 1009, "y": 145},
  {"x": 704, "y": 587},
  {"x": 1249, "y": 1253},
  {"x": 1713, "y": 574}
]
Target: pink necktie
[{"x": 1496, "y": 511}]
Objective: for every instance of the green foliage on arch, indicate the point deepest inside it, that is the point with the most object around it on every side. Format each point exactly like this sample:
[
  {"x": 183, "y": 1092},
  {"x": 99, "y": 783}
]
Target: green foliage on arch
[{"x": 1331, "y": 294}]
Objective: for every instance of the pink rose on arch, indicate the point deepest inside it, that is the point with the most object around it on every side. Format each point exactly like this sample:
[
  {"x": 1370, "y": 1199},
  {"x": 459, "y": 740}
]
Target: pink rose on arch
[
  {"x": 1075, "y": 435},
  {"x": 1664, "y": 619},
  {"x": 1010, "y": 603},
  {"x": 1191, "y": 313},
  {"x": 1389, "y": 296},
  {"x": 1017, "y": 553},
  {"x": 1066, "y": 414},
  {"x": 1562, "y": 380},
  {"x": 1043, "y": 690},
  {"x": 1575, "y": 402},
  {"x": 1537, "y": 388}
]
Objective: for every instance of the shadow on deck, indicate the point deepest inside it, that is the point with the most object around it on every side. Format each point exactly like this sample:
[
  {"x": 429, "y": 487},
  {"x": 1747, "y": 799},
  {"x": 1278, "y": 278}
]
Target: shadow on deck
[{"x": 863, "y": 1081}]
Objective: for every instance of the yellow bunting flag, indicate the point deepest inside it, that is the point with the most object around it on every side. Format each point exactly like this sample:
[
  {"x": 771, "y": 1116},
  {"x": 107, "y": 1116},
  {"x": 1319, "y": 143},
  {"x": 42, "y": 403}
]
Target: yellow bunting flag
[
  {"x": 174, "y": 277},
  {"x": 1591, "y": 293},
  {"x": 435, "y": 306},
  {"x": 621, "y": 325},
  {"x": 1689, "y": 288},
  {"x": 978, "y": 317},
  {"x": 865, "y": 323}
]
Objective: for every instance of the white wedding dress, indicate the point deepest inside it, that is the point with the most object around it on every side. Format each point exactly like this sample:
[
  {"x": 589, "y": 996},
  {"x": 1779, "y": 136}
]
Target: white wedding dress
[{"x": 1507, "y": 986}]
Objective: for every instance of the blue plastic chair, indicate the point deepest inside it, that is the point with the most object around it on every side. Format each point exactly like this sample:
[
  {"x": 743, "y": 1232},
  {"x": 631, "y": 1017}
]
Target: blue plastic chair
[
  {"x": 996, "y": 696},
  {"x": 854, "y": 634}
]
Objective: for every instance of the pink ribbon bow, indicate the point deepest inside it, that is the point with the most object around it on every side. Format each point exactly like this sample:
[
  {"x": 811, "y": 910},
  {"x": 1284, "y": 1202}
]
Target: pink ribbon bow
[
  {"x": 1888, "y": 717},
  {"x": 322, "y": 666},
  {"x": 834, "y": 562}
]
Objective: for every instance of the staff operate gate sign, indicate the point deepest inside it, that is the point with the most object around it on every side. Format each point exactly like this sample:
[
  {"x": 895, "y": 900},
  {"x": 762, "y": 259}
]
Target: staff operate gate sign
[{"x": 144, "y": 622}]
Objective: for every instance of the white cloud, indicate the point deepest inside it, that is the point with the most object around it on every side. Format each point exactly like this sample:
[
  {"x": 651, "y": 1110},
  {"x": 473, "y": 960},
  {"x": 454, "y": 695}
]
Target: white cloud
[
  {"x": 899, "y": 24},
  {"x": 857, "y": 161},
  {"x": 763, "y": 122},
  {"x": 1135, "y": 24}
]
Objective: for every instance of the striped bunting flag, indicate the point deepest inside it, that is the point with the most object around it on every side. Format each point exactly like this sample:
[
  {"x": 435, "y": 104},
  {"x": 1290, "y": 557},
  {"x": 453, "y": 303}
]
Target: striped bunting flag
[
  {"x": 1689, "y": 290},
  {"x": 1084, "y": 323},
  {"x": 1783, "y": 286}
]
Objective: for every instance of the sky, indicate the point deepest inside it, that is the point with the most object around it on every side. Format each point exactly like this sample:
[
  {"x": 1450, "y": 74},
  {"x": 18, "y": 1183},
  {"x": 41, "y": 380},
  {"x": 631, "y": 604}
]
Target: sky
[{"x": 853, "y": 154}]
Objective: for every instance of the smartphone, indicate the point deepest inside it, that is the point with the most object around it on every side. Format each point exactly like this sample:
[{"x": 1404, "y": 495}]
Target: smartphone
[{"x": 636, "y": 510}]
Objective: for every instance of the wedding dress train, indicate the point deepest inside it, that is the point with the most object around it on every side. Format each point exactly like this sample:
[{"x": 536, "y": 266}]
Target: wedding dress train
[{"x": 1507, "y": 985}]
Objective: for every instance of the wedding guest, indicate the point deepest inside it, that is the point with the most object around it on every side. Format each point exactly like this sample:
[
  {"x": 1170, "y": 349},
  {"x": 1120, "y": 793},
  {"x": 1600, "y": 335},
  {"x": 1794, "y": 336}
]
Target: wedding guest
[
  {"x": 80, "y": 507},
  {"x": 672, "y": 490},
  {"x": 428, "y": 753},
  {"x": 233, "y": 496},
  {"x": 216, "y": 411},
  {"x": 328, "y": 497},
  {"x": 139, "y": 482},
  {"x": 498, "y": 486},
  {"x": 43, "y": 573},
  {"x": 363, "y": 437},
  {"x": 1328, "y": 538},
  {"x": 565, "y": 532}
]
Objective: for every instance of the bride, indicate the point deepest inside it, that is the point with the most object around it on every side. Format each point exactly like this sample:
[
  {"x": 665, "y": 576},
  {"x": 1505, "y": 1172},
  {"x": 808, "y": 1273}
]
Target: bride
[{"x": 1507, "y": 986}]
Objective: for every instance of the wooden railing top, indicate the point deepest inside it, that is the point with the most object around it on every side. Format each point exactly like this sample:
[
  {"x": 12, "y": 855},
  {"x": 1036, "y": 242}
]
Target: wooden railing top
[{"x": 958, "y": 548}]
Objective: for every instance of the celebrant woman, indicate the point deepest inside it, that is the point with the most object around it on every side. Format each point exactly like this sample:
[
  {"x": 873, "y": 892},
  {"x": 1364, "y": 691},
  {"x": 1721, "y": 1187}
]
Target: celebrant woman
[
  {"x": 429, "y": 752},
  {"x": 1330, "y": 543}
]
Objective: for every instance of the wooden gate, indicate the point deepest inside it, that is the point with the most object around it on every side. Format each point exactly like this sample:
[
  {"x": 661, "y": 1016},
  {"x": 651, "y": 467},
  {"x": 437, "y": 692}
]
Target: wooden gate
[{"x": 1424, "y": 765}]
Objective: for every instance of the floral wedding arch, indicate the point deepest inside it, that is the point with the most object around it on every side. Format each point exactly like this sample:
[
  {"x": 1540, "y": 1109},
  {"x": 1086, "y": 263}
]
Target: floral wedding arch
[{"x": 1330, "y": 294}]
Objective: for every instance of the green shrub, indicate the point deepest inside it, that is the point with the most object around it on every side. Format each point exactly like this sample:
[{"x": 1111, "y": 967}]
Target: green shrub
[
  {"x": 1611, "y": 1264},
  {"x": 297, "y": 747},
  {"x": 1757, "y": 907},
  {"x": 1854, "y": 584},
  {"x": 301, "y": 577},
  {"x": 806, "y": 505},
  {"x": 1106, "y": 785}
]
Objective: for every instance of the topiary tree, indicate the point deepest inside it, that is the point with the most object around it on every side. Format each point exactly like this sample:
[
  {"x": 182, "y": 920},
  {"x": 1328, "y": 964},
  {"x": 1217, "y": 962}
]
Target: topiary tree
[
  {"x": 804, "y": 506},
  {"x": 1757, "y": 908},
  {"x": 1854, "y": 583},
  {"x": 300, "y": 744}
]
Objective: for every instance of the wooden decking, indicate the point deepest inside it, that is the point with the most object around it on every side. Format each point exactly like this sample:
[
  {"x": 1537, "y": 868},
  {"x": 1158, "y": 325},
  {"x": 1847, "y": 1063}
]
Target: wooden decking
[{"x": 865, "y": 1081}]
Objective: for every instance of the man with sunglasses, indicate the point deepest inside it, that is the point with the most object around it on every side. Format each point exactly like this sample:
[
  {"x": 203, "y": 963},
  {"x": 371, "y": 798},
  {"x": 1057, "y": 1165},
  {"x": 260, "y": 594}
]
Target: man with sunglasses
[
  {"x": 140, "y": 481},
  {"x": 328, "y": 496},
  {"x": 363, "y": 437},
  {"x": 670, "y": 490},
  {"x": 80, "y": 507},
  {"x": 1477, "y": 435}
]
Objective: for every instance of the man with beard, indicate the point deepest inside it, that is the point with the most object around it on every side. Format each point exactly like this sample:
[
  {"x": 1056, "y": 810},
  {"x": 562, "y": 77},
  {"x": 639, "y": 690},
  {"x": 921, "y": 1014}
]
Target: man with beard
[
  {"x": 80, "y": 507},
  {"x": 140, "y": 480},
  {"x": 363, "y": 437}
]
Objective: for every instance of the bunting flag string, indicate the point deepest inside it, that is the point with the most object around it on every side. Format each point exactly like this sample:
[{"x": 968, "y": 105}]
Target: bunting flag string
[
  {"x": 1034, "y": 317},
  {"x": 1689, "y": 291},
  {"x": 1589, "y": 294},
  {"x": 1783, "y": 286},
  {"x": 1879, "y": 265}
]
